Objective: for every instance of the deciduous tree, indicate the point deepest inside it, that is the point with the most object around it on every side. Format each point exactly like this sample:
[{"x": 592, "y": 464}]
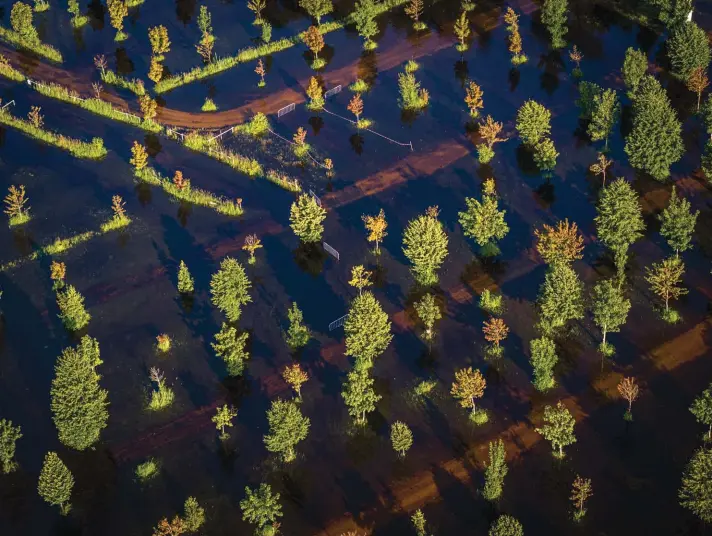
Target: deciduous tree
[
  {"x": 367, "y": 328},
  {"x": 581, "y": 490},
  {"x": 414, "y": 10},
  {"x": 9, "y": 436},
  {"x": 560, "y": 298},
  {"x": 317, "y": 8},
  {"x": 252, "y": 244},
  {"x": 664, "y": 279},
  {"x": 560, "y": 244},
  {"x": 118, "y": 11},
  {"x": 401, "y": 437},
  {"x": 473, "y": 98},
  {"x": 629, "y": 390},
  {"x": 559, "y": 428},
  {"x": 160, "y": 43},
  {"x": 429, "y": 312},
  {"x": 376, "y": 227},
  {"x": 696, "y": 491},
  {"x": 489, "y": 132},
  {"x": 261, "y": 508},
  {"x": 314, "y": 40},
  {"x": 230, "y": 346},
  {"x": 697, "y": 82},
  {"x": 462, "y": 31},
  {"x": 601, "y": 166},
  {"x": 358, "y": 394},
  {"x": 701, "y": 408},
  {"x": 360, "y": 278},
  {"x": 287, "y": 427},
  {"x": 469, "y": 385},
  {"x": 223, "y": 419},
  {"x": 506, "y": 526},
  {"x": 21, "y": 22},
  {"x": 484, "y": 221},
  {"x": 543, "y": 359},
  {"x": 610, "y": 310},
  {"x": 230, "y": 288},
  {"x": 364, "y": 17},
  {"x": 16, "y": 205},
  {"x": 295, "y": 376},
  {"x": 533, "y": 123},
  {"x": 606, "y": 110},
  {"x": 425, "y": 245}
]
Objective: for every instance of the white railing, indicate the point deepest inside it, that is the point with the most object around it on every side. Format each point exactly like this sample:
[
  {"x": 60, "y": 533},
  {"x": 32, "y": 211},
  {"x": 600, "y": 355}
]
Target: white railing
[
  {"x": 332, "y": 91},
  {"x": 409, "y": 144},
  {"x": 331, "y": 251},
  {"x": 285, "y": 110},
  {"x": 338, "y": 323}
]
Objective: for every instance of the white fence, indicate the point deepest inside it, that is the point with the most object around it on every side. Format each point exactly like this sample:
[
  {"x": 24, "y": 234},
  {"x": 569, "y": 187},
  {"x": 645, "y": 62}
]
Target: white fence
[
  {"x": 13, "y": 103},
  {"x": 285, "y": 110},
  {"x": 338, "y": 323},
  {"x": 316, "y": 197},
  {"x": 409, "y": 144},
  {"x": 332, "y": 91},
  {"x": 331, "y": 251}
]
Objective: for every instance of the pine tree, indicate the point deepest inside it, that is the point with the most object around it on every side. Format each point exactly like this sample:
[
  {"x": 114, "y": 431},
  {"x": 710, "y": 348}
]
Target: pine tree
[
  {"x": 543, "y": 359},
  {"x": 506, "y": 526},
  {"x": 635, "y": 65},
  {"x": 701, "y": 408},
  {"x": 186, "y": 284},
  {"x": 261, "y": 507},
  {"x": 419, "y": 523},
  {"x": 79, "y": 405},
  {"x": 606, "y": 110},
  {"x": 358, "y": 394},
  {"x": 495, "y": 471},
  {"x": 696, "y": 490},
  {"x": 287, "y": 427},
  {"x": 21, "y": 22},
  {"x": 230, "y": 347},
  {"x": 425, "y": 245},
  {"x": 401, "y": 437},
  {"x": 483, "y": 221},
  {"x": 560, "y": 298},
  {"x": 298, "y": 334},
  {"x": 230, "y": 288},
  {"x": 610, "y": 310},
  {"x": 193, "y": 514},
  {"x": 545, "y": 155},
  {"x": 56, "y": 483},
  {"x": 367, "y": 328},
  {"x": 462, "y": 31},
  {"x": 306, "y": 218},
  {"x": 71, "y": 308},
  {"x": 9, "y": 435},
  {"x": 554, "y": 15},
  {"x": 688, "y": 48},
  {"x": 677, "y": 223},
  {"x": 533, "y": 123},
  {"x": 559, "y": 428}
]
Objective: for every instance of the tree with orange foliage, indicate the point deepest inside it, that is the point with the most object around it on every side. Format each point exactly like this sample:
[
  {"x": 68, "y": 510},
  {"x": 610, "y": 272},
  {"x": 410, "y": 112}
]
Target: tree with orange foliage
[
  {"x": 316, "y": 94},
  {"x": 314, "y": 40},
  {"x": 260, "y": 70},
  {"x": 697, "y": 82},
  {"x": 560, "y": 244},
  {"x": 356, "y": 107},
  {"x": 473, "y": 98},
  {"x": 495, "y": 331},
  {"x": 179, "y": 181},
  {"x": 489, "y": 132},
  {"x": 601, "y": 166},
  {"x": 629, "y": 390},
  {"x": 172, "y": 528}
]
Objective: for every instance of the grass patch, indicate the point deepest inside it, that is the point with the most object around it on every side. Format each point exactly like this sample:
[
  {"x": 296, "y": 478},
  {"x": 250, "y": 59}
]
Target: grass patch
[
  {"x": 134, "y": 3},
  {"x": 252, "y": 53},
  {"x": 257, "y": 126},
  {"x": 39, "y": 48},
  {"x": 19, "y": 219},
  {"x": 212, "y": 148},
  {"x": 41, "y": 5},
  {"x": 115, "y": 223},
  {"x": 147, "y": 470},
  {"x": 671, "y": 316},
  {"x": 9, "y": 72},
  {"x": 283, "y": 181},
  {"x": 411, "y": 66},
  {"x": 364, "y": 123},
  {"x": 162, "y": 398},
  {"x": 479, "y": 417},
  {"x": 60, "y": 245},
  {"x": 492, "y": 302},
  {"x": 190, "y": 194},
  {"x": 93, "y": 150},
  {"x": 209, "y": 106},
  {"x": 134, "y": 85},
  {"x": 79, "y": 21},
  {"x": 359, "y": 86}
]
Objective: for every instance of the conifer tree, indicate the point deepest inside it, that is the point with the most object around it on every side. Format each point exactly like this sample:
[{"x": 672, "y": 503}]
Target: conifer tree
[
  {"x": 559, "y": 428},
  {"x": 533, "y": 123},
  {"x": 495, "y": 471},
  {"x": 186, "y": 284},
  {"x": 483, "y": 220},
  {"x": 543, "y": 359},
  {"x": 193, "y": 514},
  {"x": 419, "y": 523},
  {"x": 230, "y": 346},
  {"x": 364, "y": 17},
  {"x": 677, "y": 223},
  {"x": 230, "y": 288},
  {"x": 688, "y": 48},
  {"x": 306, "y": 218},
  {"x": 610, "y": 310},
  {"x": 425, "y": 245},
  {"x": 79, "y": 405},
  {"x": 506, "y": 526},
  {"x": 606, "y": 110},
  {"x": 545, "y": 155},
  {"x": 358, "y": 394},
  {"x": 696, "y": 491},
  {"x": 9, "y": 435},
  {"x": 56, "y": 483},
  {"x": 701, "y": 408},
  {"x": 287, "y": 427},
  {"x": 554, "y": 15},
  {"x": 462, "y": 31},
  {"x": 71, "y": 308},
  {"x": 367, "y": 328},
  {"x": 635, "y": 65},
  {"x": 139, "y": 156},
  {"x": 298, "y": 334},
  {"x": 560, "y": 298}
]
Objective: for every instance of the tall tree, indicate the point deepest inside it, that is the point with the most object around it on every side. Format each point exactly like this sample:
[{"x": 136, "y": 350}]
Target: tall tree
[
  {"x": 610, "y": 310},
  {"x": 664, "y": 279},
  {"x": 56, "y": 483},
  {"x": 506, "y": 525},
  {"x": 9, "y": 436},
  {"x": 559, "y": 428},
  {"x": 358, "y": 394},
  {"x": 298, "y": 334},
  {"x": 483, "y": 220},
  {"x": 619, "y": 222},
  {"x": 79, "y": 404},
  {"x": 261, "y": 508},
  {"x": 376, "y": 227},
  {"x": 462, "y": 31},
  {"x": 495, "y": 471},
  {"x": 364, "y": 17},
  {"x": 230, "y": 288},
  {"x": 118, "y": 11},
  {"x": 230, "y": 346},
  {"x": 554, "y": 15},
  {"x": 72, "y": 312},
  {"x": 317, "y": 8},
  {"x": 581, "y": 490},
  {"x": 287, "y": 427},
  {"x": 688, "y": 48},
  {"x": 635, "y": 65},
  {"x": 606, "y": 110},
  {"x": 628, "y": 388},
  {"x": 543, "y": 359},
  {"x": 306, "y": 218},
  {"x": 677, "y": 222},
  {"x": 560, "y": 298},
  {"x": 697, "y": 82},
  {"x": 429, "y": 312},
  {"x": 367, "y": 328},
  {"x": 425, "y": 245},
  {"x": 696, "y": 490},
  {"x": 401, "y": 437},
  {"x": 560, "y": 244},
  {"x": 414, "y": 10},
  {"x": 701, "y": 408},
  {"x": 533, "y": 123},
  {"x": 21, "y": 22}
]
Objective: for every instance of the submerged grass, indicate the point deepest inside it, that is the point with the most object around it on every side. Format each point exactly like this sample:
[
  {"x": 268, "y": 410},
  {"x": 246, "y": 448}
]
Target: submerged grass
[
  {"x": 94, "y": 150},
  {"x": 39, "y": 48},
  {"x": 9, "y": 72},
  {"x": 203, "y": 144},
  {"x": 134, "y": 85},
  {"x": 190, "y": 194},
  {"x": 252, "y": 53}
]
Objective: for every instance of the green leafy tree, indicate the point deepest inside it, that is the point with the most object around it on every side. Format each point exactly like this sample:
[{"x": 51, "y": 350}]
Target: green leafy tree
[
  {"x": 79, "y": 405},
  {"x": 484, "y": 221},
  {"x": 306, "y": 218},
  {"x": 21, "y": 22},
  {"x": 701, "y": 408},
  {"x": 287, "y": 427},
  {"x": 231, "y": 348},
  {"x": 358, "y": 394},
  {"x": 9, "y": 435},
  {"x": 506, "y": 526},
  {"x": 364, "y": 17},
  {"x": 619, "y": 222},
  {"x": 425, "y": 245},
  {"x": 606, "y": 110},
  {"x": 223, "y": 419},
  {"x": 543, "y": 359},
  {"x": 559, "y": 428},
  {"x": 696, "y": 491},
  {"x": 56, "y": 483},
  {"x": 672, "y": 13},
  {"x": 193, "y": 514},
  {"x": 401, "y": 437},
  {"x": 429, "y": 312},
  {"x": 545, "y": 155},
  {"x": 118, "y": 11},
  {"x": 230, "y": 288},
  {"x": 588, "y": 92},
  {"x": 610, "y": 309},
  {"x": 298, "y": 334},
  {"x": 495, "y": 471},
  {"x": 462, "y": 31},
  {"x": 688, "y": 48},
  {"x": 677, "y": 223},
  {"x": 261, "y": 508},
  {"x": 635, "y": 65},
  {"x": 367, "y": 328},
  {"x": 560, "y": 297},
  {"x": 71, "y": 308},
  {"x": 186, "y": 283},
  {"x": 665, "y": 278},
  {"x": 554, "y": 15},
  {"x": 205, "y": 21},
  {"x": 533, "y": 123},
  {"x": 419, "y": 523},
  {"x": 317, "y": 8},
  {"x": 655, "y": 141}
]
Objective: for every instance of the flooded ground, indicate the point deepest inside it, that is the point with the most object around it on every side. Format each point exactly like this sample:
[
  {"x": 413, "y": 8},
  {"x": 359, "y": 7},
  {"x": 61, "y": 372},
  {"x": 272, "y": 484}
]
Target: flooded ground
[{"x": 342, "y": 479}]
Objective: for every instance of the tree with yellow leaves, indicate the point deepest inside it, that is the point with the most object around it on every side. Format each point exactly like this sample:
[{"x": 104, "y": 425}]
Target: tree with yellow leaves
[
  {"x": 376, "y": 227},
  {"x": 360, "y": 278},
  {"x": 295, "y": 376},
  {"x": 252, "y": 244},
  {"x": 469, "y": 385},
  {"x": 473, "y": 98},
  {"x": 560, "y": 244}
]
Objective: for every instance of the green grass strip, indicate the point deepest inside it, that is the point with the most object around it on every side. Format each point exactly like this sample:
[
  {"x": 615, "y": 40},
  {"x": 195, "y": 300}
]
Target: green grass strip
[
  {"x": 134, "y": 85},
  {"x": 9, "y": 72},
  {"x": 202, "y": 144},
  {"x": 41, "y": 49},
  {"x": 252, "y": 53},
  {"x": 94, "y": 150}
]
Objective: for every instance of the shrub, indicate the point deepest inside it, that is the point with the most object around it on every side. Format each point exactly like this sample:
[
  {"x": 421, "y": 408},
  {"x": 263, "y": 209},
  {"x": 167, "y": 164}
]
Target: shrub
[
  {"x": 491, "y": 302},
  {"x": 209, "y": 105},
  {"x": 257, "y": 126},
  {"x": 147, "y": 470},
  {"x": 163, "y": 342},
  {"x": 413, "y": 97}
]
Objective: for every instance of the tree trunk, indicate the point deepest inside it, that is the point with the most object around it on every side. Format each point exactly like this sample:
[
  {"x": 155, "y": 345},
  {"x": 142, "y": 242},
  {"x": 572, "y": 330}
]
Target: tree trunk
[
  {"x": 561, "y": 450},
  {"x": 604, "y": 335},
  {"x": 667, "y": 299}
]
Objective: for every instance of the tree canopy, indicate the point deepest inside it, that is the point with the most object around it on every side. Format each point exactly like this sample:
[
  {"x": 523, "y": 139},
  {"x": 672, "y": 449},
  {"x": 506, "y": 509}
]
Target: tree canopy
[
  {"x": 367, "y": 328},
  {"x": 230, "y": 288},
  {"x": 425, "y": 245}
]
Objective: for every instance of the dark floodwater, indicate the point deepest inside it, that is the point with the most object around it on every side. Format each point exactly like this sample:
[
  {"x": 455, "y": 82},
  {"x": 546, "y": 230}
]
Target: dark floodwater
[{"x": 128, "y": 282}]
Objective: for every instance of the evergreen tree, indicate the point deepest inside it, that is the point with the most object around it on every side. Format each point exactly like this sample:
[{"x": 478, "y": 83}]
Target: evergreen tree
[
  {"x": 606, "y": 110},
  {"x": 186, "y": 284},
  {"x": 610, "y": 309},
  {"x": 588, "y": 92},
  {"x": 56, "y": 483},
  {"x": 317, "y": 8},
  {"x": 696, "y": 490},
  {"x": 533, "y": 123},
  {"x": 230, "y": 288},
  {"x": 9, "y": 435},
  {"x": 21, "y": 22},
  {"x": 71, "y": 308},
  {"x": 559, "y": 428},
  {"x": 230, "y": 346},
  {"x": 298, "y": 334},
  {"x": 635, "y": 65},
  {"x": 483, "y": 220},
  {"x": 506, "y": 526},
  {"x": 545, "y": 155},
  {"x": 261, "y": 507},
  {"x": 367, "y": 328},
  {"x": 560, "y": 297},
  {"x": 306, "y": 218},
  {"x": 429, "y": 312},
  {"x": 79, "y": 405},
  {"x": 364, "y": 17},
  {"x": 193, "y": 514},
  {"x": 287, "y": 427},
  {"x": 701, "y": 408},
  {"x": 358, "y": 394},
  {"x": 554, "y": 15},
  {"x": 401, "y": 437},
  {"x": 619, "y": 222},
  {"x": 688, "y": 48},
  {"x": 495, "y": 471},
  {"x": 655, "y": 141},
  {"x": 677, "y": 223},
  {"x": 425, "y": 245},
  {"x": 419, "y": 523},
  {"x": 543, "y": 359}
]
